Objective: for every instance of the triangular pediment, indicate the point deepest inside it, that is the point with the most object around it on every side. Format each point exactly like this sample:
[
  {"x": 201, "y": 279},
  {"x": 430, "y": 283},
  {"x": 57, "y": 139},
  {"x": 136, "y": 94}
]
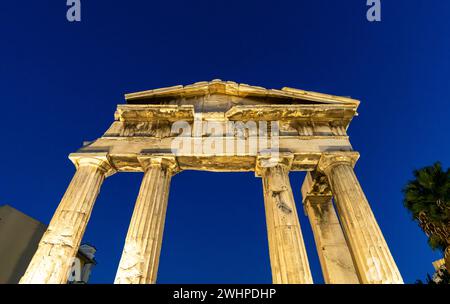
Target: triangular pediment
[{"x": 285, "y": 95}]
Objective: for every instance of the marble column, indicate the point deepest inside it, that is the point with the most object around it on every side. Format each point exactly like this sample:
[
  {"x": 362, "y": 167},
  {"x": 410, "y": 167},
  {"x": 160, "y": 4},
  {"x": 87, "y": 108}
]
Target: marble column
[
  {"x": 140, "y": 257},
  {"x": 334, "y": 255},
  {"x": 59, "y": 245},
  {"x": 288, "y": 258},
  {"x": 373, "y": 260}
]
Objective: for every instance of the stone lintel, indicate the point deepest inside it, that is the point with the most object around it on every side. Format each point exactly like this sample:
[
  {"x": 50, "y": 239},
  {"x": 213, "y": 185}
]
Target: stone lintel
[
  {"x": 100, "y": 160},
  {"x": 330, "y": 159},
  {"x": 150, "y": 112},
  {"x": 323, "y": 112},
  {"x": 128, "y": 162}
]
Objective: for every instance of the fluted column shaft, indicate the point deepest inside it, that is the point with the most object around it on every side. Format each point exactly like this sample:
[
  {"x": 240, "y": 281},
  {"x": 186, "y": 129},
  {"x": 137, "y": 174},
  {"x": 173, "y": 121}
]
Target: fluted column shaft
[
  {"x": 373, "y": 260},
  {"x": 59, "y": 245},
  {"x": 140, "y": 257},
  {"x": 334, "y": 255},
  {"x": 335, "y": 259},
  {"x": 288, "y": 258}
]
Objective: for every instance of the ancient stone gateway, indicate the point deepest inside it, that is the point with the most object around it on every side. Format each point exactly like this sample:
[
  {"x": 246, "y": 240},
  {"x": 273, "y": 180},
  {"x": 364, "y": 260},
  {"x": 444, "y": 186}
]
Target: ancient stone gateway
[{"x": 228, "y": 127}]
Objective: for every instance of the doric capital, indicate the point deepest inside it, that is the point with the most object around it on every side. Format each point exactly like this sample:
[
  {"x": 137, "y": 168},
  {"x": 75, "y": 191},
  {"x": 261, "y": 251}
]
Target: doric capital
[
  {"x": 264, "y": 162},
  {"x": 316, "y": 185},
  {"x": 330, "y": 159},
  {"x": 99, "y": 160},
  {"x": 166, "y": 161}
]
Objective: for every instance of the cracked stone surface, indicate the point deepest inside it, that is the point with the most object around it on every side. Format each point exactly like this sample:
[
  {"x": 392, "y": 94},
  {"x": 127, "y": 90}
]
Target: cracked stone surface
[
  {"x": 288, "y": 258},
  {"x": 59, "y": 244},
  {"x": 140, "y": 257}
]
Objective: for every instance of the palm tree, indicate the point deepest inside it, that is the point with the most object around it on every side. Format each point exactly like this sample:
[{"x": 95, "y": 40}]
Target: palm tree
[{"x": 427, "y": 197}]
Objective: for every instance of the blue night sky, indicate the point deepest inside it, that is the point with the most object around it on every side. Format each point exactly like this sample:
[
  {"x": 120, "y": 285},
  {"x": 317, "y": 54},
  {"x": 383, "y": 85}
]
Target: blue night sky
[{"x": 61, "y": 82}]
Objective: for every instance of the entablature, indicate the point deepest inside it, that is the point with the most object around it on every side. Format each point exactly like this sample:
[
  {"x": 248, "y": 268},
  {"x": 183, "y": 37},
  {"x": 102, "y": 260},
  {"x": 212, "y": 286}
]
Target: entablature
[
  {"x": 225, "y": 126},
  {"x": 293, "y": 120}
]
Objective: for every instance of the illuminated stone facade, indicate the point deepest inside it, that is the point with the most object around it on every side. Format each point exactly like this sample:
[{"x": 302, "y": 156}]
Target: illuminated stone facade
[{"x": 228, "y": 127}]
